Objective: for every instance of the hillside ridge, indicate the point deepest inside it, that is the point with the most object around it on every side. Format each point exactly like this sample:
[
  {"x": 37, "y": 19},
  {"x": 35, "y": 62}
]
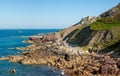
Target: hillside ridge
[{"x": 96, "y": 32}]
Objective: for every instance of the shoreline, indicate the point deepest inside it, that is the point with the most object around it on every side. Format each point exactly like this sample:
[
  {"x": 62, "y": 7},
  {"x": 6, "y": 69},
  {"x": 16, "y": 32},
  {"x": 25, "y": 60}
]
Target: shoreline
[{"x": 57, "y": 53}]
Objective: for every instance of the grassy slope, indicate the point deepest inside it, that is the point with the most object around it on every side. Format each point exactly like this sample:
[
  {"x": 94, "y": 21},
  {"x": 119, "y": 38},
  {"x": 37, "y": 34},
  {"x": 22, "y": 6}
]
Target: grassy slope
[
  {"x": 103, "y": 26},
  {"x": 109, "y": 19},
  {"x": 107, "y": 22},
  {"x": 111, "y": 24}
]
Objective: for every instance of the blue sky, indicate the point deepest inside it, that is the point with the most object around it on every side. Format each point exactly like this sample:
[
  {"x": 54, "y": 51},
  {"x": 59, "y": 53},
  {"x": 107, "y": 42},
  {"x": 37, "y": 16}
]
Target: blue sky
[{"x": 49, "y": 14}]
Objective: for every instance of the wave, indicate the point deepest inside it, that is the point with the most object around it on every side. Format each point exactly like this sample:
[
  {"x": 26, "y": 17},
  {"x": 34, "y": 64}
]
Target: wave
[
  {"x": 14, "y": 36},
  {"x": 11, "y": 48},
  {"x": 19, "y": 36},
  {"x": 19, "y": 31},
  {"x": 24, "y": 36}
]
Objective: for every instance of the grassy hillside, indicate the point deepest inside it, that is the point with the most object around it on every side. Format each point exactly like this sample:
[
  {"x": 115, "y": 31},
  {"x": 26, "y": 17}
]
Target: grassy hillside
[
  {"x": 105, "y": 23},
  {"x": 103, "y": 26},
  {"x": 96, "y": 33}
]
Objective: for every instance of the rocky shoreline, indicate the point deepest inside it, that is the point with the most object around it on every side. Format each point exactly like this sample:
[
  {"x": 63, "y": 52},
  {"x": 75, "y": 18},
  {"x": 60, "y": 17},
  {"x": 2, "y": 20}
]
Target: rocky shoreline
[{"x": 73, "y": 61}]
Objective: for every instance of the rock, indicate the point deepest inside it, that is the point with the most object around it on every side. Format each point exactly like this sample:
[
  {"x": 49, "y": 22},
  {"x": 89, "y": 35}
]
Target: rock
[
  {"x": 110, "y": 61},
  {"x": 118, "y": 64},
  {"x": 70, "y": 66},
  {"x": 20, "y": 48},
  {"x": 44, "y": 38},
  {"x": 34, "y": 38},
  {"x": 4, "y": 58},
  {"x": 108, "y": 69},
  {"x": 112, "y": 12},
  {"x": 67, "y": 57},
  {"x": 52, "y": 38},
  {"x": 94, "y": 72},
  {"x": 118, "y": 72},
  {"x": 12, "y": 71},
  {"x": 28, "y": 41},
  {"x": 15, "y": 58},
  {"x": 24, "y": 53},
  {"x": 77, "y": 72}
]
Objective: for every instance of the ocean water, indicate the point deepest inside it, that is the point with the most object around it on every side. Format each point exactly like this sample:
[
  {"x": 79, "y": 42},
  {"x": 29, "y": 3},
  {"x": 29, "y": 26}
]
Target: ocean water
[{"x": 10, "y": 39}]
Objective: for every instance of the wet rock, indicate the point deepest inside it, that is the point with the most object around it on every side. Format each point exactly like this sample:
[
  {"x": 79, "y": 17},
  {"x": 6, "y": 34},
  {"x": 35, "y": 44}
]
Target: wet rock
[
  {"x": 12, "y": 71},
  {"x": 34, "y": 38},
  {"x": 28, "y": 41},
  {"x": 15, "y": 58},
  {"x": 20, "y": 48},
  {"x": 4, "y": 58}
]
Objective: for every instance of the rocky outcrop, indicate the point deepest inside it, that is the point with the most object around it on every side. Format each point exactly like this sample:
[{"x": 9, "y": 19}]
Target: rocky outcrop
[
  {"x": 84, "y": 36},
  {"x": 73, "y": 61},
  {"x": 12, "y": 71},
  {"x": 91, "y": 37},
  {"x": 112, "y": 12},
  {"x": 85, "y": 64},
  {"x": 44, "y": 38},
  {"x": 67, "y": 32}
]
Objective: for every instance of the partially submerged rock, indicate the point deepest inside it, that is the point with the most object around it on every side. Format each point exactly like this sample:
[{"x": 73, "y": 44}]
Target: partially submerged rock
[
  {"x": 4, "y": 58},
  {"x": 12, "y": 71}
]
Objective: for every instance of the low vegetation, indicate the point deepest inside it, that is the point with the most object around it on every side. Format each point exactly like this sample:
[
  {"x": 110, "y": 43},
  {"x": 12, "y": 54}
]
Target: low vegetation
[{"x": 105, "y": 23}]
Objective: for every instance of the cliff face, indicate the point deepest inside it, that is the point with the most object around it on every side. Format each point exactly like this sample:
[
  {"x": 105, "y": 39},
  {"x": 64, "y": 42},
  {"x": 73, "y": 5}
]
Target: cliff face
[
  {"x": 95, "y": 32},
  {"x": 70, "y": 31}
]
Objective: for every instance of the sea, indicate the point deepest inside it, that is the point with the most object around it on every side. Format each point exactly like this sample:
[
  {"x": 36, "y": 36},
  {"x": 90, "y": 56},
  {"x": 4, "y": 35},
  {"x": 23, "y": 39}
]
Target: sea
[{"x": 12, "y": 38}]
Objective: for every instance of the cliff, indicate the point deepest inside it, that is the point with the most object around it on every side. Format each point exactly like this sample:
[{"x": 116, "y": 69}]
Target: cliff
[{"x": 95, "y": 33}]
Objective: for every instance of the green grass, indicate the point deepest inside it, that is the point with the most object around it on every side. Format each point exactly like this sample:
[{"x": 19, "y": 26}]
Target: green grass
[
  {"x": 105, "y": 23},
  {"x": 109, "y": 19},
  {"x": 102, "y": 26}
]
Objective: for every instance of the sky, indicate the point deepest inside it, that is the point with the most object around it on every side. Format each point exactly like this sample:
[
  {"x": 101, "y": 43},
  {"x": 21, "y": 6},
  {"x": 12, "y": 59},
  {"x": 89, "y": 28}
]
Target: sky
[{"x": 49, "y": 14}]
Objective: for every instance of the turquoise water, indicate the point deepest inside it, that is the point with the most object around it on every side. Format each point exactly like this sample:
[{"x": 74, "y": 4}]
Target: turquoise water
[{"x": 11, "y": 39}]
